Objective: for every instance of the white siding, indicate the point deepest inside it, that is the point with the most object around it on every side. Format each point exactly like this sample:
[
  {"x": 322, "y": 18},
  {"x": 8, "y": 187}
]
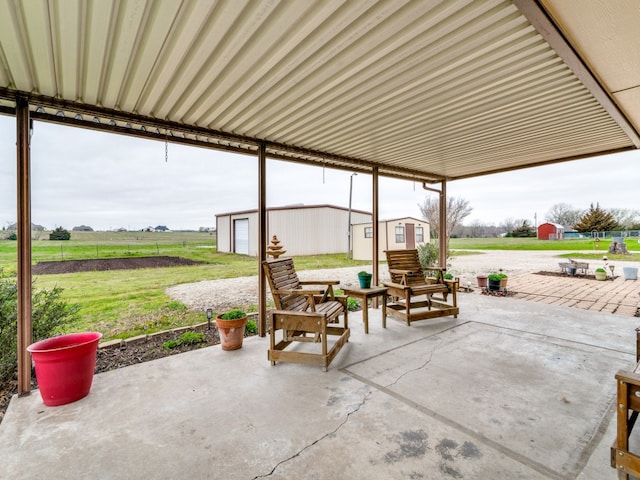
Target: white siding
[
  {"x": 301, "y": 230},
  {"x": 363, "y": 247},
  {"x": 223, "y": 233}
]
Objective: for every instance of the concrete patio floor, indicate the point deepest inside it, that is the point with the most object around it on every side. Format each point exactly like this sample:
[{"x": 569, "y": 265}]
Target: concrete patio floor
[{"x": 511, "y": 389}]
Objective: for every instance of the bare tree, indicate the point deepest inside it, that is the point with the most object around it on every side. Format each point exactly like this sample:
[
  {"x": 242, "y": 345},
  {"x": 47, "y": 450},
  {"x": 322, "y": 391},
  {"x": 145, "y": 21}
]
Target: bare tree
[
  {"x": 625, "y": 217},
  {"x": 457, "y": 210},
  {"x": 509, "y": 224},
  {"x": 564, "y": 214}
]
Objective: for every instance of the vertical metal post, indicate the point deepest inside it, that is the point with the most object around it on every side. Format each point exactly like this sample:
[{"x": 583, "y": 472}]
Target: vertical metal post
[
  {"x": 262, "y": 238},
  {"x": 376, "y": 235},
  {"x": 349, "y": 218},
  {"x": 442, "y": 234},
  {"x": 25, "y": 329}
]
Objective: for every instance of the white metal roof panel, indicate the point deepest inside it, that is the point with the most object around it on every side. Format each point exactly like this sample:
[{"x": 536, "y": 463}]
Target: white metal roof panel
[{"x": 449, "y": 88}]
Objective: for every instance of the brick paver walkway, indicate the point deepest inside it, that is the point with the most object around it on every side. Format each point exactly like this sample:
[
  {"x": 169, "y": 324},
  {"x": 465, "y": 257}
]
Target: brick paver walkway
[{"x": 619, "y": 296}]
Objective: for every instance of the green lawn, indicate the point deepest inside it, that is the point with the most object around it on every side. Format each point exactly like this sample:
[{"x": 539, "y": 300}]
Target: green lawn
[
  {"x": 123, "y": 303},
  {"x": 577, "y": 244},
  {"x": 576, "y": 248}
]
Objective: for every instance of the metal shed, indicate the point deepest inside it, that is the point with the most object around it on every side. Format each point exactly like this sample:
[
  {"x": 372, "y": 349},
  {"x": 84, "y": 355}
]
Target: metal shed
[
  {"x": 301, "y": 229},
  {"x": 550, "y": 231}
]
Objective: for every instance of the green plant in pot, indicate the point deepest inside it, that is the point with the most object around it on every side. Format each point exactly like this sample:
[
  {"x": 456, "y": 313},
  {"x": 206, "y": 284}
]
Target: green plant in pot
[
  {"x": 503, "y": 280},
  {"x": 601, "y": 273},
  {"x": 231, "y": 326},
  {"x": 365, "y": 279},
  {"x": 494, "y": 281}
]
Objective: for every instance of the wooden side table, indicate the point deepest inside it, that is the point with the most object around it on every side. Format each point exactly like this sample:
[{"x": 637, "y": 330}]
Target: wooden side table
[{"x": 365, "y": 294}]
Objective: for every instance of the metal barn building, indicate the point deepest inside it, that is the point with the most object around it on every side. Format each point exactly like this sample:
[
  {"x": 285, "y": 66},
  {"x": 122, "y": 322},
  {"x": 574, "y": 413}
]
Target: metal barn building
[
  {"x": 301, "y": 229},
  {"x": 396, "y": 234},
  {"x": 550, "y": 231}
]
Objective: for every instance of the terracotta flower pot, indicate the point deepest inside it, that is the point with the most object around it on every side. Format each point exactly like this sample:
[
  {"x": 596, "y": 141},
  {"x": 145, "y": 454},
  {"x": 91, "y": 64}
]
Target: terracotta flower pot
[{"x": 231, "y": 332}]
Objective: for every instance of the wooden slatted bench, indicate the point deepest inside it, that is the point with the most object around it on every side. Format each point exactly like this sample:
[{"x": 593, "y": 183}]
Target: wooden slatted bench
[{"x": 628, "y": 405}]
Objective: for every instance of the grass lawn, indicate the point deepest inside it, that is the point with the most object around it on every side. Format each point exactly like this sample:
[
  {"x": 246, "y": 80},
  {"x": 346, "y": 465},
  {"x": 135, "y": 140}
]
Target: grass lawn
[
  {"x": 585, "y": 248},
  {"x": 124, "y": 303}
]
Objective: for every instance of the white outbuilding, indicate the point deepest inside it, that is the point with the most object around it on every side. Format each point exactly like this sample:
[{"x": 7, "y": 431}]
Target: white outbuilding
[
  {"x": 396, "y": 234},
  {"x": 301, "y": 229}
]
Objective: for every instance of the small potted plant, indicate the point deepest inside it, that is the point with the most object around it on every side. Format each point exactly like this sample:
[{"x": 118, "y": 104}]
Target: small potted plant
[
  {"x": 494, "y": 281},
  {"x": 365, "y": 279},
  {"x": 503, "y": 280},
  {"x": 601, "y": 273},
  {"x": 231, "y": 326},
  {"x": 482, "y": 281}
]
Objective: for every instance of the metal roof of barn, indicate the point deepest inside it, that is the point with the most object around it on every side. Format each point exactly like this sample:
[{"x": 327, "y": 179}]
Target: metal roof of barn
[{"x": 422, "y": 89}]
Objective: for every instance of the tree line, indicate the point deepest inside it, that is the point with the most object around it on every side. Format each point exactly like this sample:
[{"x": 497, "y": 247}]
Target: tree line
[{"x": 595, "y": 218}]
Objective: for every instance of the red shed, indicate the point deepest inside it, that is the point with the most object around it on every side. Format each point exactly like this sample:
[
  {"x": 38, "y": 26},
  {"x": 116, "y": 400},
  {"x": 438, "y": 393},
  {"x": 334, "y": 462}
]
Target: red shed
[{"x": 550, "y": 231}]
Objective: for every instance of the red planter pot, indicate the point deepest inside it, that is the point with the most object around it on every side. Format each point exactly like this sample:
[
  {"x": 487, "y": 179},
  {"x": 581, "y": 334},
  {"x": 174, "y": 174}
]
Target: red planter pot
[{"x": 65, "y": 366}]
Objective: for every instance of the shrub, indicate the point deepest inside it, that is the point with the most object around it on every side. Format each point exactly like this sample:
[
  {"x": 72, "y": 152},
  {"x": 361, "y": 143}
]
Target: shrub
[
  {"x": 60, "y": 234},
  {"x": 191, "y": 338},
  {"x": 428, "y": 254},
  {"x": 187, "y": 338},
  {"x": 600, "y": 269},
  {"x": 495, "y": 277},
  {"x": 48, "y": 315},
  {"x": 448, "y": 276},
  {"x": 251, "y": 328},
  {"x": 352, "y": 304},
  {"x": 12, "y": 236}
]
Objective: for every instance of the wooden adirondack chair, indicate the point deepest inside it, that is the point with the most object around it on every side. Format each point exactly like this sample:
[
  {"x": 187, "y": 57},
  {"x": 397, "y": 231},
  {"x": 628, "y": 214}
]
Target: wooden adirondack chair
[
  {"x": 412, "y": 293},
  {"x": 304, "y": 314}
]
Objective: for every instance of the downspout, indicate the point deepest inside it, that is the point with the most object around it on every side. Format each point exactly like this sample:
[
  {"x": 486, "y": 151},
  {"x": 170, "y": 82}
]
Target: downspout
[
  {"x": 442, "y": 216},
  {"x": 25, "y": 328}
]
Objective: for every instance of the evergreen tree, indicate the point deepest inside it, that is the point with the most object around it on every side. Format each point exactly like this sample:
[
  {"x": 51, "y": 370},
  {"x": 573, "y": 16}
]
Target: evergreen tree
[
  {"x": 524, "y": 230},
  {"x": 60, "y": 234},
  {"x": 596, "y": 219}
]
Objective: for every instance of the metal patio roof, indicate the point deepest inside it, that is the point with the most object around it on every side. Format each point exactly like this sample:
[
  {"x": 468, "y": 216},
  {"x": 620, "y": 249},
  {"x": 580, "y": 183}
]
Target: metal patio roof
[{"x": 422, "y": 89}]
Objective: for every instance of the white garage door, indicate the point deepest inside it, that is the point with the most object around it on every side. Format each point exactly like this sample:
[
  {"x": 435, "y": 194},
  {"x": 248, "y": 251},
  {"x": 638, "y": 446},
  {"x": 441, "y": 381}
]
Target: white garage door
[{"x": 241, "y": 236}]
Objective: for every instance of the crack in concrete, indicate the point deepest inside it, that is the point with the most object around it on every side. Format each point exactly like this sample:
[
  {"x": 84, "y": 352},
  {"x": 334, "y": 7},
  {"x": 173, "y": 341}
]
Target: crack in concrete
[
  {"x": 420, "y": 367},
  {"x": 315, "y": 442}
]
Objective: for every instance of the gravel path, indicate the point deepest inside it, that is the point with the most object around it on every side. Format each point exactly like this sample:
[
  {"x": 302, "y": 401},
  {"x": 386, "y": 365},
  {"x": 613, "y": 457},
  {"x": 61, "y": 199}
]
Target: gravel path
[{"x": 243, "y": 291}]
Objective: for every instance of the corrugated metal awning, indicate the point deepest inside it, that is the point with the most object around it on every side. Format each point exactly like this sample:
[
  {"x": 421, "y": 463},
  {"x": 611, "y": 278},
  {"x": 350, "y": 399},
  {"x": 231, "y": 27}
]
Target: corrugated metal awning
[{"x": 420, "y": 89}]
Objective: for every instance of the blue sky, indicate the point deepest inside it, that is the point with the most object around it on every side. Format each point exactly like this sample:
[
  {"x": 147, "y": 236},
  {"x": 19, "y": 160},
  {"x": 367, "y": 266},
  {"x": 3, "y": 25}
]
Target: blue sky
[{"x": 111, "y": 181}]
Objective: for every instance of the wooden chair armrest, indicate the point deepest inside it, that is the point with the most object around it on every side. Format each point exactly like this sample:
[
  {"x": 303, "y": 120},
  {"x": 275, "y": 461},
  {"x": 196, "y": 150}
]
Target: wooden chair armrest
[
  {"x": 299, "y": 291},
  {"x": 319, "y": 282},
  {"x": 298, "y": 313},
  {"x": 628, "y": 377},
  {"x": 396, "y": 285},
  {"x": 402, "y": 272}
]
